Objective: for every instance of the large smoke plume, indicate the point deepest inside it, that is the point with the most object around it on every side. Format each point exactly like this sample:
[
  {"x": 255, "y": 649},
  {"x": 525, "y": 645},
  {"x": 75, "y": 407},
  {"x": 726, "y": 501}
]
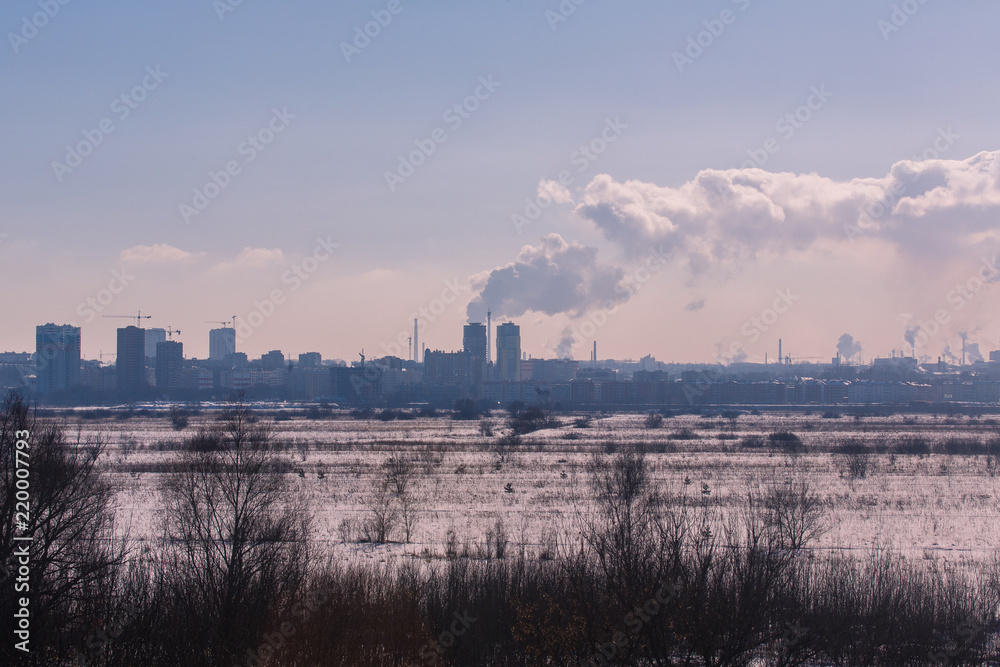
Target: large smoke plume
[{"x": 553, "y": 277}]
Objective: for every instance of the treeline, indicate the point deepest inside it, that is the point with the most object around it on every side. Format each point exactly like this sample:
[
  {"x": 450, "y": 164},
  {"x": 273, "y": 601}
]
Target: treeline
[{"x": 651, "y": 578}]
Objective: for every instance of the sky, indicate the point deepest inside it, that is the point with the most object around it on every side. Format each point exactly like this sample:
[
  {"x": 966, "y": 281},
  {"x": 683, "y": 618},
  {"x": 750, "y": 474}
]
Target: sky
[{"x": 688, "y": 180}]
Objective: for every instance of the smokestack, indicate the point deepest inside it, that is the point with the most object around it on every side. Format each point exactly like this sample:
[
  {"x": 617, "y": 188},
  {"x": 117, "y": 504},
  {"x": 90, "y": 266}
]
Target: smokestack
[
  {"x": 594, "y": 358},
  {"x": 416, "y": 339},
  {"x": 781, "y": 359}
]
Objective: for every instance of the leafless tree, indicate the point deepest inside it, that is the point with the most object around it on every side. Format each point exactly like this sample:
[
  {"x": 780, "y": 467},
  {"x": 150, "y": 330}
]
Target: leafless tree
[
  {"x": 237, "y": 541},
  {"x": 795, "y": 513}
]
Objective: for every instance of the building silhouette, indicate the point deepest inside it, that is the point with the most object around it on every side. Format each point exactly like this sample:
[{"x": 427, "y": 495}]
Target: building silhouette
[
  {"x": 221, "y": 343},
  {"x": 153, "y": 338},
  {"x": 508, "y": 364},
  {"x": 169, "y": 365},
  {"x": 474, "y": 345},
  {"x": 131, "y": 360},
  {"x": 57, "y": 357}
]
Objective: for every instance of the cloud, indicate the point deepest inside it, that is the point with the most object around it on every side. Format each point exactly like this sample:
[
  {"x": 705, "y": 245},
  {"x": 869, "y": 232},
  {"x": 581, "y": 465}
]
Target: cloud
[
  {"x": 253, "y": 258},
  {"x": 158, "y": 253},
  {"x": 695, "y": 306},
  {"x": 552, "y": 277},
  {"x": 926, "y": 209},
  {"x": 555, "y": 191}
]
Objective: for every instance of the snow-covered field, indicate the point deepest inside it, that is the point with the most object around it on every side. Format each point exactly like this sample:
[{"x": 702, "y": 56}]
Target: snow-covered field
[{"x": 939, "y": 507}]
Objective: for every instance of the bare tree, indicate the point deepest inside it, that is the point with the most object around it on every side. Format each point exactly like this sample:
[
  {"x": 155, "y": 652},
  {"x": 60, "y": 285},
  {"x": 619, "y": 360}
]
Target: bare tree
[
  {"x": 795, "y": 513},
  {"x": 238, "y": 544}
]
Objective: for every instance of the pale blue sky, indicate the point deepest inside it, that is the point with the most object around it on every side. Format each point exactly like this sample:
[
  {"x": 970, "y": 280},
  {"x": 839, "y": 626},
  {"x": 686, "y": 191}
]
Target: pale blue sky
[{"x": 323, "y": 176}]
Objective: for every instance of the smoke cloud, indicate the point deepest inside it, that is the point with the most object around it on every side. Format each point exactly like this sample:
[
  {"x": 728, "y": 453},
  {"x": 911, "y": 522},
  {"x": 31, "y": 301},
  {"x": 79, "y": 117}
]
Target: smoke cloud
[
  {"x": 564, "y": 349},
  {"x": 553, "y": 277},
  {"x": 929, "y": 208},
  {"x": 847, "y": 347}
]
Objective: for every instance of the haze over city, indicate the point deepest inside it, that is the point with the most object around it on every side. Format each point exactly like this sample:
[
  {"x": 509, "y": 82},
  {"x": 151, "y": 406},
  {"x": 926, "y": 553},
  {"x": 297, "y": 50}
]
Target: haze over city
[{"x": 660, "y": 174}]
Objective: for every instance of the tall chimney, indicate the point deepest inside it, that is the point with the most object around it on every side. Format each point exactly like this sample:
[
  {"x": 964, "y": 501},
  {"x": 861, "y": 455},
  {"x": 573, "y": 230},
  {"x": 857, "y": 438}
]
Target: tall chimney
[
  {"x": 594, "y": 359},
  {"x": 781, "y": 359},
  {"x": 416, "y": 342}
]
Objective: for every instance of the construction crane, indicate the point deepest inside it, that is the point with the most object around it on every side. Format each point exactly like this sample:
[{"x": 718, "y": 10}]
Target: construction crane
[
  {"x": 138, "y": 317},
  {"x": 226, "y": 323},
  {"x": 171, "y": 332}
]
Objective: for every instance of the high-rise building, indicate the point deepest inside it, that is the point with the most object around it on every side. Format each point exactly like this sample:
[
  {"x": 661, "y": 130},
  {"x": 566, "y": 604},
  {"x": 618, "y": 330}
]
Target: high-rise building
[
  {"x": 221, "y": 343},
  {"x": 445, "y": 367},
  {"x": 57, "y": 357},
  {"x": 154, "y": 337},
  {"x": 508, "y": 364},
  {"x": 131, "y": 360},
  {"x": 310, "y": 360},
  {"x": 272, "y": 361},
  {"x": 474, "y": 345},
  {"x": 169, "y": 365}
]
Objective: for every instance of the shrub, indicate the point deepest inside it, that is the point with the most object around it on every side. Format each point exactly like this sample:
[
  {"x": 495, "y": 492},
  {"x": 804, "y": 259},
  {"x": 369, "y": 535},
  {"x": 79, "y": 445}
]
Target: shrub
[
  {"x": 785, "y": 440},
  {"x": 961, "y": 447},
  {"x": 684, "y": 434},
  {"x": 178, "y": 418},
  {"x": 654, "y": 420},
  {"x": 856, "y": 457},
  {"x": 752, "y": 441},
  {"x": 913, "y": 445}
]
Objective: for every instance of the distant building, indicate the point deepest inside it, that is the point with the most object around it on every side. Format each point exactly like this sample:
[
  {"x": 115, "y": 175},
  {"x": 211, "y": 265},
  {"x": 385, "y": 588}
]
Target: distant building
[
  {"x": 57, "y": 357},
  {"x": 272, "y": 361},
  {"x": 221, "y": 343},
  {"x": 236, "y": 360},
  {"x": 445, "y": 367},
  {"x": 356, "y": 384},
  {"x": 310, "y": 360},
  {"x": 508, "y": 364},
  {"x": 154, "y": 337},
  {"x": 131, "y": 360},
  {"x": 474, "y": 346},
  {"x": 169, "y": 365}
]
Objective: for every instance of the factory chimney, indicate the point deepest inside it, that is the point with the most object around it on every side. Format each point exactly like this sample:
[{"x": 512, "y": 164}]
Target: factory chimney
[
  {"x": 780, "y": 359},
  {"x": 416, "y": 341}
]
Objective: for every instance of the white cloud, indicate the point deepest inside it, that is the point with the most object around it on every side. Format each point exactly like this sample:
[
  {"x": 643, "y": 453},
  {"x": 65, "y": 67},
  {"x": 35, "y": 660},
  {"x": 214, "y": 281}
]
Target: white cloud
[
  {"x": 253, "y": 258},
  {"x": 158, "y": 253},
  {"x": 930, "y": 208}
]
